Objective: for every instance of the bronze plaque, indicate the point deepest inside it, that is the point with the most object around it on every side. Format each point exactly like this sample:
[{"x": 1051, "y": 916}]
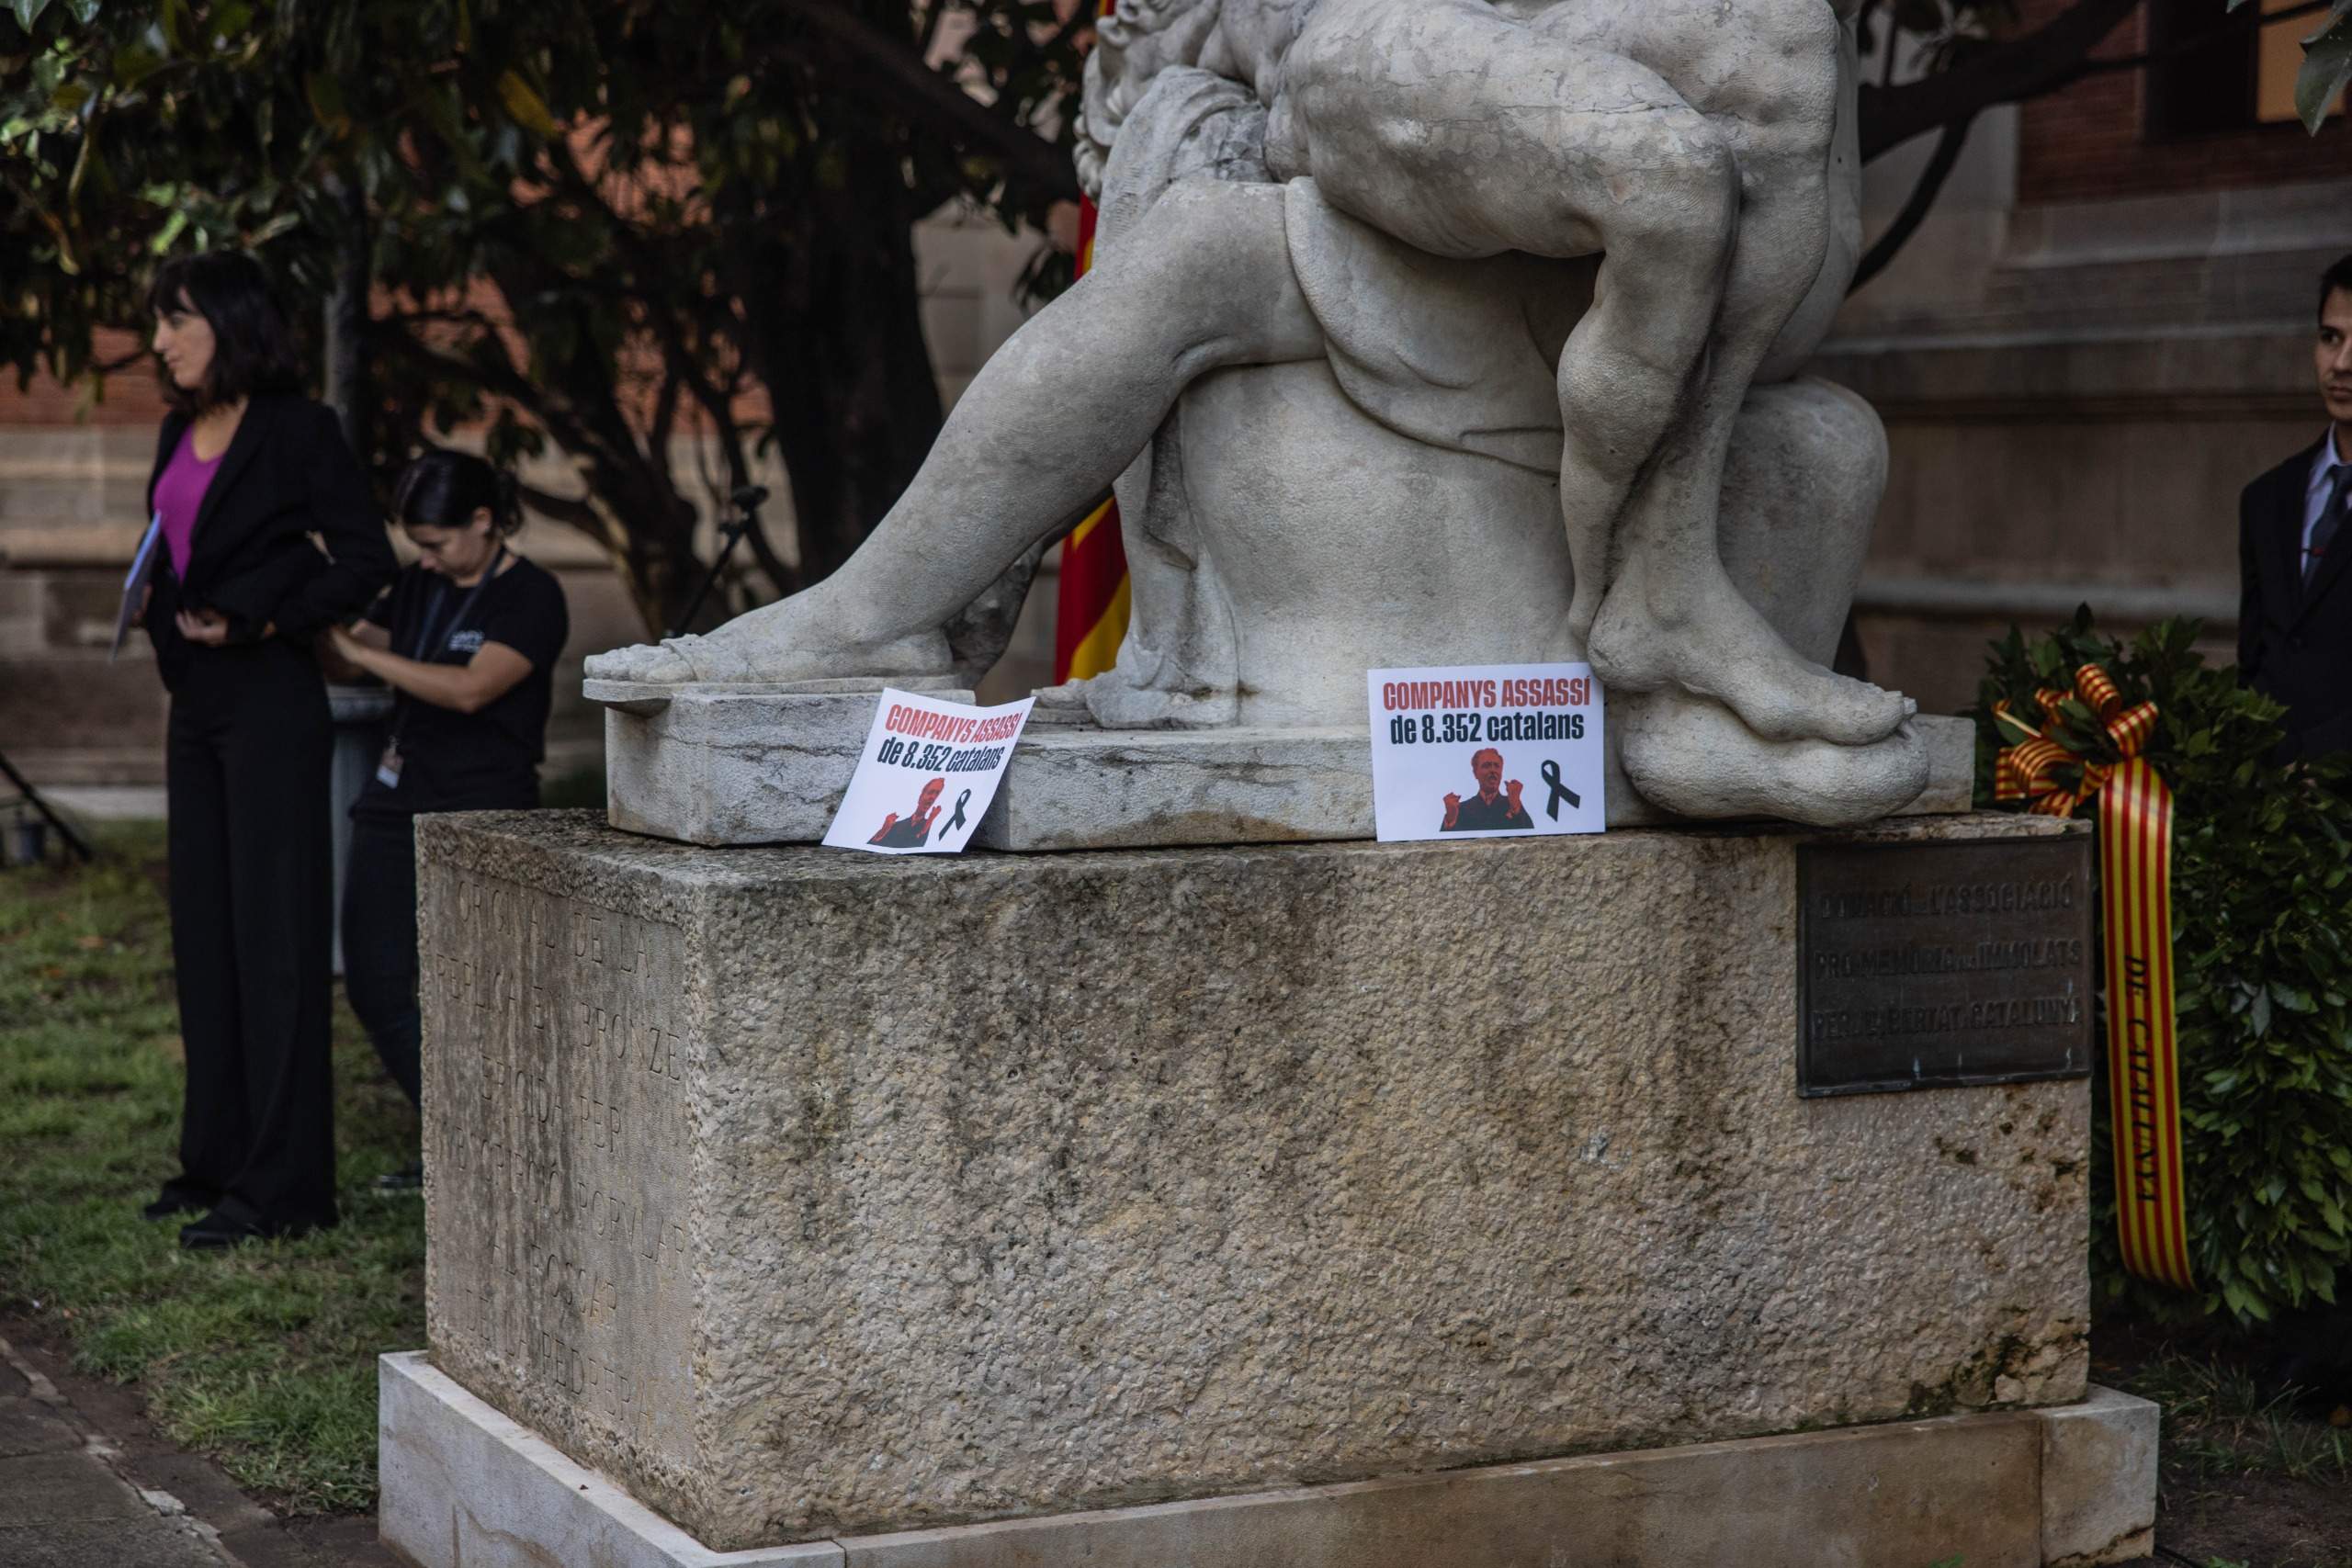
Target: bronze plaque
[{"x": 1925, "y": 964}]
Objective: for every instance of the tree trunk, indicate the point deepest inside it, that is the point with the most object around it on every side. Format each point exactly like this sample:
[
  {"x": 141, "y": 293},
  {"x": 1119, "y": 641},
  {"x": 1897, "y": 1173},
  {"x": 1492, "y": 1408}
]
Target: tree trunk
[
  {"x": 349, "y": 388},
  {"x": 836, "y": 337}
]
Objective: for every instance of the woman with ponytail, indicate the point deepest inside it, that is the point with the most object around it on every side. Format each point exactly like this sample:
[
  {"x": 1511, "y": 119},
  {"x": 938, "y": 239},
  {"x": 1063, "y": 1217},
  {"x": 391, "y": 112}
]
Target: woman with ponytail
[{"x": 468, "y": 638}]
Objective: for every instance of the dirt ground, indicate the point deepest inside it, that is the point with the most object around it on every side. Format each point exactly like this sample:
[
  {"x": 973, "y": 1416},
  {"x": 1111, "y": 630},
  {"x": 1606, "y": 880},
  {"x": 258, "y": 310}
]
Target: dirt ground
[{"x": 2253, "y": 1475}]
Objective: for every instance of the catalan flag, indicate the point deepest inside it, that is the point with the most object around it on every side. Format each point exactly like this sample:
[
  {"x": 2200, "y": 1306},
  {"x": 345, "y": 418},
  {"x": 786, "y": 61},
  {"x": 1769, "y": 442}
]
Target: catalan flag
[{"x": 1090, "y": 608}]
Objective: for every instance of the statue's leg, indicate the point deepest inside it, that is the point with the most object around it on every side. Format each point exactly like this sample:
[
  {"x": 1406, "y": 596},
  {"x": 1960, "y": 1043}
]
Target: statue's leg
[
  {"x": 1204, "y": 282},
  {"x": 1463, "y": 133},
  {"x": 1671, "y": 617},
  {"x": 1807, "y": 467}
]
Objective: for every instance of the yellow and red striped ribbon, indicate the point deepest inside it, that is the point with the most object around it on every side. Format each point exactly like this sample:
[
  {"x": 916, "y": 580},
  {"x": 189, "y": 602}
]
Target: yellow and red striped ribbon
[
  {"x": 1090, "y": 604},
  {"x": 2136, "y": 877}
]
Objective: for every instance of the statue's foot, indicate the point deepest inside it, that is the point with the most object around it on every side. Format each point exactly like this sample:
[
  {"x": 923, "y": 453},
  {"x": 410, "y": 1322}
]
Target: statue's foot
[
  {"x": 1710, "y": 642},
  {"x": 728, "y": 655},
  {"x": 647, "y": 663},
  {"x": 1695, "y": 758}
]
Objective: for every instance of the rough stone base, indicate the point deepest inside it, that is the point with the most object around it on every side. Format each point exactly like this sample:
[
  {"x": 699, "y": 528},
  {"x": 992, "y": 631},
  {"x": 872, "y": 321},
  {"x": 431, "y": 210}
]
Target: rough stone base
[
  {"x": 811, "y": 1193},
  {"x": 767, "y": 765},
  {"x": 2068, "y": 1487}
]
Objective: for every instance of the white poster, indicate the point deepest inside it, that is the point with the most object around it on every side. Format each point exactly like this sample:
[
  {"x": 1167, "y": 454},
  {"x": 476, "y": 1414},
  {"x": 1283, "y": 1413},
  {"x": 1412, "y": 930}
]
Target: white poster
[
  {"x": 928, "y": 772},
  {"x": 1486, "y": 751}
]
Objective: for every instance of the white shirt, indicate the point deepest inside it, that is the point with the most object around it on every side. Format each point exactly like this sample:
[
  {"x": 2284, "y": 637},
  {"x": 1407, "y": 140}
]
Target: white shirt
[{"x": 2315, "y": 497}]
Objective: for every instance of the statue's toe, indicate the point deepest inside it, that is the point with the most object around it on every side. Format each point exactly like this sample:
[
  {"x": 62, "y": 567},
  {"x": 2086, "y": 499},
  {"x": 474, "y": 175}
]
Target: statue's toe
[{"x": 647, "y": 663}]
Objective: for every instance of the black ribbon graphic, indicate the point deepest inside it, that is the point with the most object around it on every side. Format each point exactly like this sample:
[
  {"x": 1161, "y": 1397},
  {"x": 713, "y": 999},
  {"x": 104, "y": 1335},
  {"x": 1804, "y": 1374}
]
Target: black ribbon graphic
[
  {"x": 957, "y": 821},
  {"x": 1560, "y": 792}
]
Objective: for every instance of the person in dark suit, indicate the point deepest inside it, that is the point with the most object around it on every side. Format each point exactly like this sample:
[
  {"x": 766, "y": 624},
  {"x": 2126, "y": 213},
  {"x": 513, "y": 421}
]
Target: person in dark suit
[
  {"x": 2294, "y": 552},
  {"x": 247, "y": 471}
]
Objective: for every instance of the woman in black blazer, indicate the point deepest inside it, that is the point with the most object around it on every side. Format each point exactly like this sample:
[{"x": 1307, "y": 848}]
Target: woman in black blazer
[{"x": 247, "y": 471}]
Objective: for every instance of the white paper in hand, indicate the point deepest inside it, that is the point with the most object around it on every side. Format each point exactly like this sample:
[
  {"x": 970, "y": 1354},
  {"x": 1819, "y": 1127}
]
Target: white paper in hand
[
  {"x": 1487, "y": 751},
  {"x": 929, "y": 770}
]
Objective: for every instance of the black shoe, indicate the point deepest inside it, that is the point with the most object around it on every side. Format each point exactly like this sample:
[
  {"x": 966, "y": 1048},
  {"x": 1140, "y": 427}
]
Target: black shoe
[
  {"x": 409, "y": 1178},
  {"x": 173, "y": 1204},
  {"x": 228, "y": 1226}
]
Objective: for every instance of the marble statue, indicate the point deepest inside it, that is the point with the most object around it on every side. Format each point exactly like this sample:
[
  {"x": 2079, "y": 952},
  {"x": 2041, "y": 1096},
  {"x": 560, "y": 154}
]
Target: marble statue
[{"x": 1422, "y": 332}]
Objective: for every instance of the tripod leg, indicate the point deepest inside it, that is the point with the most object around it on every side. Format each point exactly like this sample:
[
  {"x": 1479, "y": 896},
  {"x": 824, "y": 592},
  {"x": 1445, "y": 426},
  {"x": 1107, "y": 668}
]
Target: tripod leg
[{"x": 73, "y": 840}]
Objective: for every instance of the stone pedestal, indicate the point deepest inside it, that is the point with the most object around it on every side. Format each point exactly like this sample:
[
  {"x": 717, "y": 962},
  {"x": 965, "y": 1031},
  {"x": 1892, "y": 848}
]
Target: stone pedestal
[{"x": 812, "y": 1195}]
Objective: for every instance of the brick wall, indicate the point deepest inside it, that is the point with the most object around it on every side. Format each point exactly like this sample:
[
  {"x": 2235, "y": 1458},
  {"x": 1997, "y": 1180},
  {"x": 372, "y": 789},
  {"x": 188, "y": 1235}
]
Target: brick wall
[
  {"x": 131, "y": 397},
  {"x": 2092, "y": 141}
]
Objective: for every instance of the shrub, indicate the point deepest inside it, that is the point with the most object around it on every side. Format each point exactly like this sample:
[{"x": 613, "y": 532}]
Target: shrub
[{"x": 2262, "y": 958}]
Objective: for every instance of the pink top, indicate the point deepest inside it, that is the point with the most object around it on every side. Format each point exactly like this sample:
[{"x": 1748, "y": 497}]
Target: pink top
[{"x": 179, "y": 492}]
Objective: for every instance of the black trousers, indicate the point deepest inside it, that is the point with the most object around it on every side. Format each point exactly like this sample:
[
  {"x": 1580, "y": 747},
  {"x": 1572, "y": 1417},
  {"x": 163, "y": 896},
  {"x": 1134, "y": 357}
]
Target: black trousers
[
  {"x": 379, "y": 962},
  {"x": 246, "y": 760}
]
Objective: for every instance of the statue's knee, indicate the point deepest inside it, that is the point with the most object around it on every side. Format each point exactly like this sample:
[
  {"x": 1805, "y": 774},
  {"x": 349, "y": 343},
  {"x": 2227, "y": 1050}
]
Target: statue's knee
[{"x": 1685, "y": 209}]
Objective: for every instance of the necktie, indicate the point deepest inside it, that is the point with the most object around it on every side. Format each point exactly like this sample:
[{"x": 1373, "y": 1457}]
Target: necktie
[{"x": 2331, "y": 518}]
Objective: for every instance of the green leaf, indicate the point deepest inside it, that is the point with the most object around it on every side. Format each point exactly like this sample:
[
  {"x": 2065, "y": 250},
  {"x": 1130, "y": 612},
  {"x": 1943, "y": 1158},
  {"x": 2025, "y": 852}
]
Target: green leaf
[
  {"x": 525, "y": 106},
  {"x": 2328, "y": 66},
  {"x": 325, "y": 95},
  {"x": 173, "y": 228},
  {"x": 28, "y": 12}
]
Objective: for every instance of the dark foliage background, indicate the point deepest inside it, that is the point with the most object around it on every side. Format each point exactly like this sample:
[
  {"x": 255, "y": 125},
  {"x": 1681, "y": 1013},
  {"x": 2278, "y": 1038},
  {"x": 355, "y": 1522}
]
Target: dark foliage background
[{"x": 607, "y": 225}]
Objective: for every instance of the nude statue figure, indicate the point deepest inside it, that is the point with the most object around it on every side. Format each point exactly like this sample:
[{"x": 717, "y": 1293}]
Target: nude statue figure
[{"x": 1672, "y": 167}]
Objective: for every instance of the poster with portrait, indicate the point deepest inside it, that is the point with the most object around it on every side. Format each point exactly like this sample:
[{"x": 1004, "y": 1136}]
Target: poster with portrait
[
  {"x": 1486, "y": 751},
  {"x": 929, "y": 770}
]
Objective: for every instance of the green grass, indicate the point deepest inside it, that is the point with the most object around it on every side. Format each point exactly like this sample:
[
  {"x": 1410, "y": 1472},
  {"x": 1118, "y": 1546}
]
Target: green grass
[
  {"x": 2218, "y": 1421},
  {"x": 263, "y": 1358}
]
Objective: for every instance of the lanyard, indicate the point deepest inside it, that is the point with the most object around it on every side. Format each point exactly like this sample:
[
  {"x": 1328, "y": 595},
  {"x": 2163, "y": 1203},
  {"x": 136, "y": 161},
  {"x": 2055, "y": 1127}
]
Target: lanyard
[
  {"x": 424, "y": 644},
  {"x": 424, "y": 654}
]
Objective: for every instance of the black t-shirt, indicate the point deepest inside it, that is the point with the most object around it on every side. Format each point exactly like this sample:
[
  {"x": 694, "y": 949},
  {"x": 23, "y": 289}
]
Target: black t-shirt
[
  {"x": 1479, "y": 816},
  {"x": 472, "y": 762}
]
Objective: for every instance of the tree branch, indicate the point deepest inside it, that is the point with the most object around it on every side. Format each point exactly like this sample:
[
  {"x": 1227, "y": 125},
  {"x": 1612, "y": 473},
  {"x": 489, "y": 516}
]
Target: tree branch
[
  {"x": 1915, "y": 211},
  {"x": 506, "y": 383},
  {"x": 2041, "y": 62},
  {"x": 2243, "y": 22},
  {"x": 1026, "y": 158}
]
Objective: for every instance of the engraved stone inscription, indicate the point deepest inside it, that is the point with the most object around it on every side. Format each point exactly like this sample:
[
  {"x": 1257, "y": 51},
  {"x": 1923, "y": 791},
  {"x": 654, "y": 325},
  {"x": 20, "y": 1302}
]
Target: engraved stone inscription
[
  {"x": 555, "y": 1133},
  {"x": 1926, "y": 964}
]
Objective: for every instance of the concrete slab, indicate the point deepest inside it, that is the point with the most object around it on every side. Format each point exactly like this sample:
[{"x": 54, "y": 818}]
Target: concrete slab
[
  {"x": 736, "y": 765},
  {"x": 1085, "y": 788},
  {"x": 767, "y": 765},
  {"x": 51, "y": 1488},
  {"x": 30, "y": 1427},
  {"x": 462, "y": 1483},
  {"x": 2099, "y": 1480},
  {"x": 149, "y": 1542}
]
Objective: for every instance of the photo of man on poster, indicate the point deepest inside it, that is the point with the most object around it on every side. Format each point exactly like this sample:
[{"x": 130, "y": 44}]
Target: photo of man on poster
[
  {"x": 912, "y": 832},
  {"x": 1495, "y": 806}
]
